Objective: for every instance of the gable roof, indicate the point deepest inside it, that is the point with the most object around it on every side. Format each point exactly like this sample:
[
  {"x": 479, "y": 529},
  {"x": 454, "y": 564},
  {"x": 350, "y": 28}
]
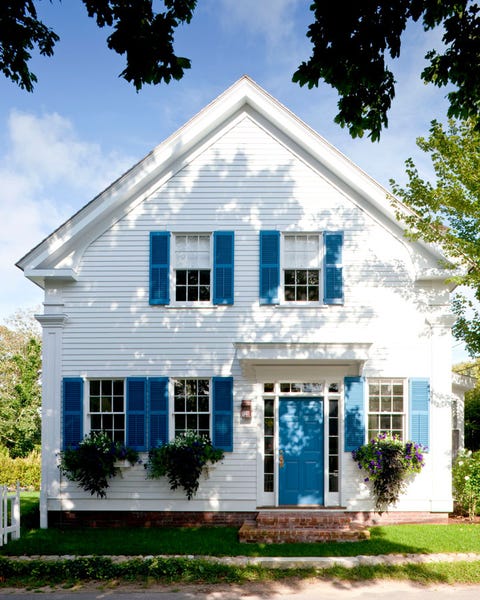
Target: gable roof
[{"x": 57, "y": 256}]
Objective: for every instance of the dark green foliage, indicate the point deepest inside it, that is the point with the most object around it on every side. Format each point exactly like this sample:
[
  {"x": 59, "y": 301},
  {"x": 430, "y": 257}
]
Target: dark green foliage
[
  {"x": 92, "y": 463},
  {"x": 472, "y": 419},
  {"x": 20, "y": 32},
  {"x": 183, "y": 461},
  {"x": 351, "y": 50},
  {"x": 145, "y": 37},
  {"x": 388, "y": 462}
]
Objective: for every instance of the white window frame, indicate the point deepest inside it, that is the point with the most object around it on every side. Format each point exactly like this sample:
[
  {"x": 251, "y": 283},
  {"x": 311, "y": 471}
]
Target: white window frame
[
  {"x": 283, "y": 268},
  {"x": 87, "y": 420},
  {"x": 173, "y": 268},
  {"x": 403, "y": 413}
]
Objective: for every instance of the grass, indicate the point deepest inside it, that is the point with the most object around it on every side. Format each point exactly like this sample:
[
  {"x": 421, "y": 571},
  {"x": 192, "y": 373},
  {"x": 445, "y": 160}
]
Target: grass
[{"x": 223, "y": 541}]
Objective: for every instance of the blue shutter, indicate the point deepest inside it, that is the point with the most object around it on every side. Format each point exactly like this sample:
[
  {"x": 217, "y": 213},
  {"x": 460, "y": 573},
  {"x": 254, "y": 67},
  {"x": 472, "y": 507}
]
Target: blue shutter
[
  {"x": 269, "y": 266},
  {"x": 158, "y": 411},
  {"x": 223, "y": 252},
  {"x": 354, "y": 413},
  {"x": 159, "y": 267},
  {"x": 419, "y": 411},
  {"x": 136, "y": 413},
  {"x": 72, "y": 403},
  {"x": 222, "y": 413},
  {"x": 332, "y": 268}
]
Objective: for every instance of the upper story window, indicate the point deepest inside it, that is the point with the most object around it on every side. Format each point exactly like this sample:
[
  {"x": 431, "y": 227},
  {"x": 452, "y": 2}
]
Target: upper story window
[
  {"x": 192, "y": 268},
  {"x": 196, "y": 268},
  {"x": 107, "y": 407},
  {"x": 302, "y": 268},
  {"x": 386, "y": 407}
]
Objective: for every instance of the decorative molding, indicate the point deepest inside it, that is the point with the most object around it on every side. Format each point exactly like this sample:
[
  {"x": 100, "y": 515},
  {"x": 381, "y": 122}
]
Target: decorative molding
[{"x": 52, "y": 320}]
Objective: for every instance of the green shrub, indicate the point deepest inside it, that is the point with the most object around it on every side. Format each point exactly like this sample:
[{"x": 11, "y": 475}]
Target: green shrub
[
  {"x": 92, "y": 463},
  {"x": 466, "y": 482},
  {"x": 183, "y": 461},
  {"x": 24, "y": 470},
  {"x": 388, "y": 462}
]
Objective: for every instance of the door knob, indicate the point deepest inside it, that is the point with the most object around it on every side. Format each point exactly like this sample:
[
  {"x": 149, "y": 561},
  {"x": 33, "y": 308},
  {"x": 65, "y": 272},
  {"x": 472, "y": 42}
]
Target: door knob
[{"x": 281, "y": 462}]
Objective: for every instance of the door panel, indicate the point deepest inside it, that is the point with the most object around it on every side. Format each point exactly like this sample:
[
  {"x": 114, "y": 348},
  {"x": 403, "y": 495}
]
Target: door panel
[{"x": 301, "y": 450}]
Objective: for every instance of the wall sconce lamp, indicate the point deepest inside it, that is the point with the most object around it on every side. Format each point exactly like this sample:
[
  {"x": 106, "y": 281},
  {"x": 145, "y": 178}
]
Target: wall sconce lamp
[{"x": 246, "y": 409}]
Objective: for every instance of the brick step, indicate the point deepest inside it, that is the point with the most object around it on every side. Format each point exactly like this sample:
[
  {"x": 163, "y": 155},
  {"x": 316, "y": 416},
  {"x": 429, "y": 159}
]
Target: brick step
[
  {"x": 293, "y": 520},
  {"x": 250, "y": 532}
]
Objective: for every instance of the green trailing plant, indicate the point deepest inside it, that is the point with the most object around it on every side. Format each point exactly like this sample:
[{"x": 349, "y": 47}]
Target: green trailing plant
[
  {"x": 92, "y": 463},
  {"x": 466, "y": 482},
  {"x": 389, "y": 463},
  {"x": 182, "y": 461}
]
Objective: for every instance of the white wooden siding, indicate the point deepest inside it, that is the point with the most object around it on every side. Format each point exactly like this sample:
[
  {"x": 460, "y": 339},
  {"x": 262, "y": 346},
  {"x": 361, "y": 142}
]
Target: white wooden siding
[{"x": 246, "y": 181}]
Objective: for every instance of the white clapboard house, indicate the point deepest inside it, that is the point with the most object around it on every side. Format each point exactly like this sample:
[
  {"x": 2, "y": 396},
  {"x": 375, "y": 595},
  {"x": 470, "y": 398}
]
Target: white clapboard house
[{"x": 247, "y": 264}]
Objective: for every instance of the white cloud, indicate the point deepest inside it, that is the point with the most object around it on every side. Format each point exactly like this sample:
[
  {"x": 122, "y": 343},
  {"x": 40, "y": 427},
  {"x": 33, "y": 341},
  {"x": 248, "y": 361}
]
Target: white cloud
[
  {"x": 275, "y": 21},
  {"x": 47, "y": 173}
]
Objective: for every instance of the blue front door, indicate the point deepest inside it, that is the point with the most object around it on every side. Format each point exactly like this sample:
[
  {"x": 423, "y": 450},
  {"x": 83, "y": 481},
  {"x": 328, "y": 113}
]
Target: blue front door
[{"x": 301, "y": 451}]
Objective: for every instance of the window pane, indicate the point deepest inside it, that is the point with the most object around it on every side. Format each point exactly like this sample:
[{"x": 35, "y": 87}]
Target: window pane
[
  {"x": 179, "y": 387},
  {"x": 268, "y": 445},
  {"x": 398, "y": 405},
  {"x": 181, "y": 294},
  {"x": 302, "y": 277},
  {"x": 106, "y": 388},
  {"x": 301, "y": 293},
  {"x": 203, "y": 404},
  {"x": 385, "y": 422},
  {"x": 374, "y": 404},
  {"x": 205, "y": 277},
  {"x": 289, "y": 294},
  {"x": 268, "y": 387},
  {"x": 204, "y": 293},
  {"x": 269, "y": 408},
  {"x": 313, "y": 294},
  {"x": 96, "y": 422},
  {"x": 180, "y": 421},
  {"x": 334, "y": 427},
  {"x": 118, "y": 404},
  {"x": 94, "y": 404},
  {"x": 106, "y": 404},
  {"x": 333, "y": 445},
  {"x": 204, "y": 423},
  {"x": 108, "y": 421},
  {"x": 181, "y": 277},
  {"x": 119, "y": 421},
  {"x": 192, "y": 404},
  {"x": 333, "y": 408},
  {"x": 289, "y": 277},
  {"x": 269, "y": 426},
  {"x": 118, "y": 388},
  {"x": 95, "y": 388}
]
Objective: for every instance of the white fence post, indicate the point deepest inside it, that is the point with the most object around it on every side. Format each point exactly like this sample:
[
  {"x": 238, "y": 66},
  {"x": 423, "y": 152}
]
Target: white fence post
[{"x": 9, "y": 519}]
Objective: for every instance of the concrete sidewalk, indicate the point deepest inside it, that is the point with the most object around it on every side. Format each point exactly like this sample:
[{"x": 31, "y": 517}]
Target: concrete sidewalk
[{"x": 287, "y": 562}]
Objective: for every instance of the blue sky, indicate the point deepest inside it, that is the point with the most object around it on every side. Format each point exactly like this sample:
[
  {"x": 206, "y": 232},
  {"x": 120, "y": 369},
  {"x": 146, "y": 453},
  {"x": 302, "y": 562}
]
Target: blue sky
[{"x": 83, "y": 126}]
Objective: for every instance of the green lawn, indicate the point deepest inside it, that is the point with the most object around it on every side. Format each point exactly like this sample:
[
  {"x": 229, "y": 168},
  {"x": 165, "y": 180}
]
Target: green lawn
[{"x": 222, "y": 541}]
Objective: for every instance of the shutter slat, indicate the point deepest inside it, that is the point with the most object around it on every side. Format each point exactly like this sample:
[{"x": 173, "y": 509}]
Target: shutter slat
[
  {"x": 158, "y": 411},
  {"x": 354, "y": 413},
  {"x": 420, "y": 410},
  {"x": 159, "y": 267},
  {"x": 136, "y": 413},
  {"x": 222, "y": 413},
  {"x": 223, "y": 267},
  {"x": 72, "y": 411},
  {"x": 333, "y": 268},
  {"x": 269, "y": 267}
]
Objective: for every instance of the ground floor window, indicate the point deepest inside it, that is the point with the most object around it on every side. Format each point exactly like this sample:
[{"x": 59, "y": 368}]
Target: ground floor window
[
  {"x": 192, "y": 406},
  {"x": 386, "y": 407},
  {"x": 107, "y": 407}
]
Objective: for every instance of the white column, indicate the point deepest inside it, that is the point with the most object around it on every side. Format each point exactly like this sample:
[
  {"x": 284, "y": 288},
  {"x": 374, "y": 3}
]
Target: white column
[
  {"x": 52, "y": 325},
  {"x": 440, "y": 450}
]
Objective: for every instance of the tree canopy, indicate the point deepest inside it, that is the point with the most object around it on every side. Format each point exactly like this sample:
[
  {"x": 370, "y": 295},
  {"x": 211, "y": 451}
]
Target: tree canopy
[
  {"x": 20, "y": 395},
  {"x": 351, "y": 45},
  {"x": 447, "y": 212}
]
